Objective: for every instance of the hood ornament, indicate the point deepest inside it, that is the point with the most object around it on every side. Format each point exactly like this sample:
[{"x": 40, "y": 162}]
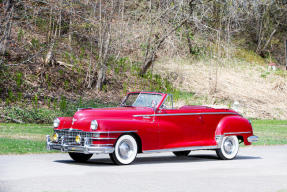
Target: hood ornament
[{"x": 73, "y": 121}]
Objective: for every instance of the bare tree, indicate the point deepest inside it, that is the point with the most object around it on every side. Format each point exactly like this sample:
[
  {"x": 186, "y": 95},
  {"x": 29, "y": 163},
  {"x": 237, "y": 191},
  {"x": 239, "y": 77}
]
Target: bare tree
[
  {"x": 103, "y": 56},
  {"x": 5, "y": 25},
  {"x": 151, "y": 52},
  {"x": 104, "y": 40},
  {"x": 169, "y": 13}
]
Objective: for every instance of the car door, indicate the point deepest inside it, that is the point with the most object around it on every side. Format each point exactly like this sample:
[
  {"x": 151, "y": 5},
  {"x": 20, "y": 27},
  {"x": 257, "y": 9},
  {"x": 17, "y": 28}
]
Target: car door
[
  {"x": 148, "y": 129},
  {"x": 170, "y": 132},
  {"x": 194, "y": 128},
  {"x": 179, "y": 128}
]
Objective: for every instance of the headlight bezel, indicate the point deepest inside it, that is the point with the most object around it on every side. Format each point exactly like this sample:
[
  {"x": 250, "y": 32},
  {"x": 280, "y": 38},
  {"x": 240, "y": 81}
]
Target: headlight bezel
[
  {"x": 56, "y": 122},
  {"x": 94, "y": 125}
]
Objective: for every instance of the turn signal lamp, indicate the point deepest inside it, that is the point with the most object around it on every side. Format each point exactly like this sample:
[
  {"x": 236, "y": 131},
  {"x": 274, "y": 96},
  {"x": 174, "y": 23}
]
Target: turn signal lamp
[{"x": 55, "y": 137}]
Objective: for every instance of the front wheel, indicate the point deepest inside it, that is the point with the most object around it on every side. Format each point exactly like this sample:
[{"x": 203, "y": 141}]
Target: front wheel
[
  {"x": 229, "y": 148},
  {"x": 126, "y": 149},
  {"x": 80, "y": 157}
]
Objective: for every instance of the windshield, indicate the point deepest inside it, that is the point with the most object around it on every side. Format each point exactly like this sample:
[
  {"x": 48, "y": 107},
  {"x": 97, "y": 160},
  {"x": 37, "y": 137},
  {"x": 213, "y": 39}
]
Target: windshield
[{"x": 142, "y": 100}]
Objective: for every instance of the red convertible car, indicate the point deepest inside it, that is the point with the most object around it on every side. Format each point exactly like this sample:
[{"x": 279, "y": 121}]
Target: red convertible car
[{"x": 147, "y": 122}]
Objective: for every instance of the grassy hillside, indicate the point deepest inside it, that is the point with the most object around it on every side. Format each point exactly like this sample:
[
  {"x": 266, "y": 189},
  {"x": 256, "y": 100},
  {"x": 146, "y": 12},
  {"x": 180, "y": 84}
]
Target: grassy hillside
[{"x": 261, "y": 93}]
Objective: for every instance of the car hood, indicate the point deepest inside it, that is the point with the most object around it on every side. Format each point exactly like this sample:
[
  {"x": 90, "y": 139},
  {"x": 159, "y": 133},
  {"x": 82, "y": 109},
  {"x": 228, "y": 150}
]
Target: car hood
[
  {"x": 82, "y": 118},
  {"x": 113, "y": 112}
]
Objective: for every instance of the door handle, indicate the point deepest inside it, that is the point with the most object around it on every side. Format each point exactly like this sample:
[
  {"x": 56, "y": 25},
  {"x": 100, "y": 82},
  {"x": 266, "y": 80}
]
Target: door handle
[
  {"x": 200, "y": 118},
  {"x": 146, "y": 117}
]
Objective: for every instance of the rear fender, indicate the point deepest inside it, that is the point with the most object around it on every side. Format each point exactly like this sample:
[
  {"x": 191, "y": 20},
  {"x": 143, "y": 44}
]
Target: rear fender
[{"x": 234, "y": 125}]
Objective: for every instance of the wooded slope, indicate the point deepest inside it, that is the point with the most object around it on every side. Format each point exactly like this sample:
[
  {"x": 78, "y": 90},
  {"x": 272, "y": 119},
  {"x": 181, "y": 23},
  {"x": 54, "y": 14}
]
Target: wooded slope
[{"x": 102, "y": 49}]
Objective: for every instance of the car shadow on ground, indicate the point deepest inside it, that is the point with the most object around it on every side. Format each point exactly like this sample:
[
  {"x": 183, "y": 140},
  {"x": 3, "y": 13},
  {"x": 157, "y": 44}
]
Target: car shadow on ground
[{"x": 156, "y": 160}]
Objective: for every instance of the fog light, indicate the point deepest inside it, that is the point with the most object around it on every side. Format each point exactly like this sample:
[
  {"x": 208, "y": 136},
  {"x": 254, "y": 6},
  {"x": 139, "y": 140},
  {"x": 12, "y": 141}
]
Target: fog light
[
  {"x": 78, "y": 139},
  {"x": 55, "y": 137}
]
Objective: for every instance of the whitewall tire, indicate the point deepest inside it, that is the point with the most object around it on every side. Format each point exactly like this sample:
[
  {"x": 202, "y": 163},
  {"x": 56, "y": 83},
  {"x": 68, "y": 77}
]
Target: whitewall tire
[
  {"x": 126, "y": 150},
  {"x": 229, "y": 148}
]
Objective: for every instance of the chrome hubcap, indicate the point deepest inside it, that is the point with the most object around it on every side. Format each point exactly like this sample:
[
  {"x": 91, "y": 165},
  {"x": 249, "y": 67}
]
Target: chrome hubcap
[
  {"x": 125, "y": 149},
  {"x": 229, "y": 146}
]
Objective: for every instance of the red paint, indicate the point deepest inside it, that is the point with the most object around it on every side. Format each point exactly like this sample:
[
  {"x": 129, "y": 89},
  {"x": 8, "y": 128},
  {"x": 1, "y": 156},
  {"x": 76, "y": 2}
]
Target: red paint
[{"x": 164, "y": 128}]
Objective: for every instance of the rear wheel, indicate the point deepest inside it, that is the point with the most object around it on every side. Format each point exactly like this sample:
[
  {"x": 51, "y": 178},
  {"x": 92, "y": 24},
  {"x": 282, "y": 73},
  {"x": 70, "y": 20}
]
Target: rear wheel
[
  {"x": 181, "y": 153},
  {"x": 229, "y": 148},
  {"x": 80, "y": 157},
  {"x": 126, "y": 149}
]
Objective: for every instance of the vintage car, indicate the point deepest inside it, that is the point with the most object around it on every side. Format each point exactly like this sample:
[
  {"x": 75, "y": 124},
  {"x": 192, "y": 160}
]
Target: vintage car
[{"x": 147, "y": 122}]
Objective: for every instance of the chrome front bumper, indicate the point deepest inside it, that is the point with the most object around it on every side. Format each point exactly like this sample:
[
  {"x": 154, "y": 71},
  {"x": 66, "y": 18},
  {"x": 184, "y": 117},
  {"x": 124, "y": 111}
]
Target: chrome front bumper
[
  {"x": 86, "y": 148},
  {"x": 252, "y": 139}
]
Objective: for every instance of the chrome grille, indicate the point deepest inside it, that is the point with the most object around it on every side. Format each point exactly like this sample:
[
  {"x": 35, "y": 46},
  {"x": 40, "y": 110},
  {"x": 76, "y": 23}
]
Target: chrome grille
[{"x": 70, "y": 135}]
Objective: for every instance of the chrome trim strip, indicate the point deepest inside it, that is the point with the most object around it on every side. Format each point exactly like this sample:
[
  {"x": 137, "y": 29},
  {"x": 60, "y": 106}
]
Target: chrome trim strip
[
  {"x": 181, "y": 114},
  {"x": 103, "y": 144},
  {"x": 132, "y": 131},
  {"x": 103, "y": 138},
  {"x": 182, "y": 149},
  {"x": 69, "y": 129},
  {"x": 95, "y": 131},
  {"x": 237, "y": 133}
]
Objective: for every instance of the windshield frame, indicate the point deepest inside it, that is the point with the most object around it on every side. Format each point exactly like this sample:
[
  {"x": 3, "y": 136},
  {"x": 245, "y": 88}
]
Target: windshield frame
[
  {"x": 163, "y": 102},
  {"x": 151, "y": 93}
]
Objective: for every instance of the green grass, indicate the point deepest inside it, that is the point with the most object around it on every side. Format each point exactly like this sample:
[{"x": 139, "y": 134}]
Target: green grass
[
  {"x": 20, "y": 146},
  {"x": 30, "y": 138},
  {"x": 32, "y": 129},
  {"x": 270, "y": 132},
  {"x": 23, "y": 138}
]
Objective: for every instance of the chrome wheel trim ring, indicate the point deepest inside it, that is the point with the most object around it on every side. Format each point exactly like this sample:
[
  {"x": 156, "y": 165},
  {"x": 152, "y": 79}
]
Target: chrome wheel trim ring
[
  {"x": 230, "y": 147},
  {"x": 126, "y": 149}
]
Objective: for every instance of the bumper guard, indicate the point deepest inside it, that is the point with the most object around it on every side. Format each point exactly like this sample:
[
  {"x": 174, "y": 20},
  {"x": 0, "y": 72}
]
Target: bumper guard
[
  {"x": 252, "y": 139},
  {"x": 86, "y": 148}
]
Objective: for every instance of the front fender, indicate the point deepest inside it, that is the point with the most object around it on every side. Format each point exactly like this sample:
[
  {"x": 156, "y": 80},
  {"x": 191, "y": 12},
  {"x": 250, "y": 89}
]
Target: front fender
[
  {"x": 146, "y": 130},
  {"x": 65, "y": 122}
]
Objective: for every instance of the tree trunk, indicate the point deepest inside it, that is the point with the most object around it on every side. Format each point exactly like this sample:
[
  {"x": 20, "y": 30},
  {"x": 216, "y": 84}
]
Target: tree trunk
[
  {"x": 150, "y": 56},
  {"x": 50, "y": 56},
  {"x": 102, "y": 71},
  {"x": 6, "y": 25}
]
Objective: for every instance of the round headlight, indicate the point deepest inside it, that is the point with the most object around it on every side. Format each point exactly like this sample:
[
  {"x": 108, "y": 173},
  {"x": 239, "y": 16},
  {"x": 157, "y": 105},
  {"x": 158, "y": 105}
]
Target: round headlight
[
  {"x": 78, "y": 139},
  {"x": 94, "y": 124},
  {"x": 56, "y": 122},
  {"x": 55, "y": 137}
]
